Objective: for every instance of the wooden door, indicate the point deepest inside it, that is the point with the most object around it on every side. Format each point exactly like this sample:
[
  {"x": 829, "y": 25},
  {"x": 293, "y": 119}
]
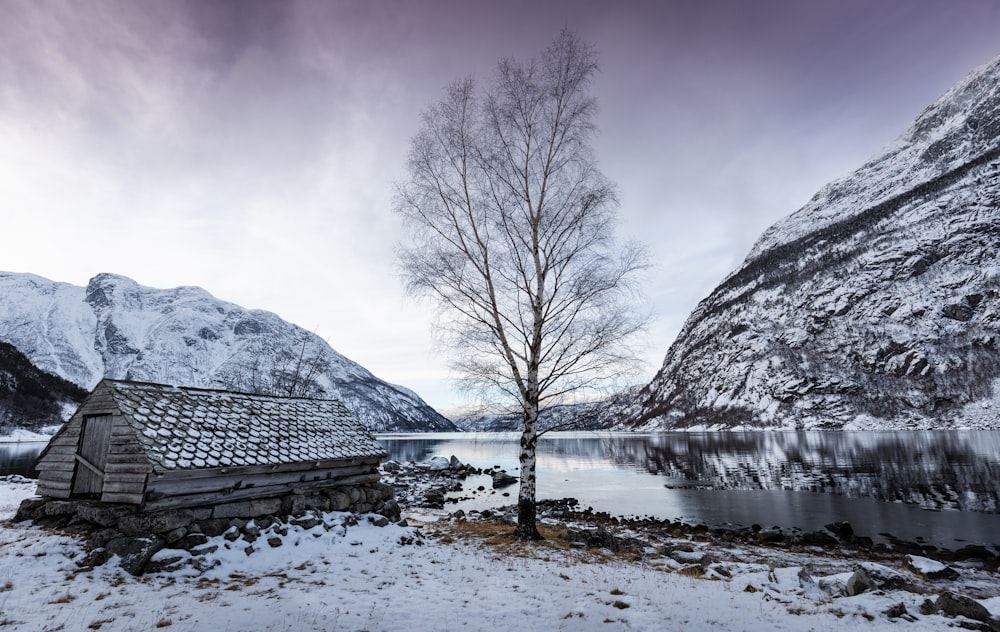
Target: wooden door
[{"x": 92, "y": 455}]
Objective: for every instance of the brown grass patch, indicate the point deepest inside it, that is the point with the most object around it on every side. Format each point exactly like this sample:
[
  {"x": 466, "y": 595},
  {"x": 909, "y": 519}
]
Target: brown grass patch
[
  {"x": 64, "y": 599},
  {"x": 164, "y": 623},
  {"x": 621, "y": 605},
  {"x": 96, "y": 625}
]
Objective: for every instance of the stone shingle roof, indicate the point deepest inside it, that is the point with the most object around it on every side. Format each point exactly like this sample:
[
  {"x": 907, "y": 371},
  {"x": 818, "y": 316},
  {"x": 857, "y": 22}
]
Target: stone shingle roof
[{"x": 186, "y": 428}]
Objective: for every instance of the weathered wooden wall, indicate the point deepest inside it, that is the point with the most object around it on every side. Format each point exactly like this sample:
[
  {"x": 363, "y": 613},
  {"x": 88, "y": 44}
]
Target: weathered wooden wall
[
  {"x": 125, "y": 466},
  {"x": 211, "y": 486}
]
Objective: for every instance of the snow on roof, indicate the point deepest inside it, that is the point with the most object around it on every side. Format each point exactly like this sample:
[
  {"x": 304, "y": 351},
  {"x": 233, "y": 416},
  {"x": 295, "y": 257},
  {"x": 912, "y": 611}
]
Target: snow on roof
[{"x": 185, "y": 428}]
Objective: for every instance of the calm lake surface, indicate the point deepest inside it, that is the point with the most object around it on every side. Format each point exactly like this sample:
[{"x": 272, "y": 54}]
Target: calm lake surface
[{"x": 942, "y": 486}]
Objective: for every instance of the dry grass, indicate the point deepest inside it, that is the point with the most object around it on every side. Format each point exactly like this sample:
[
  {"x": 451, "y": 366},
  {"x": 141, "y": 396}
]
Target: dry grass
[
  {"x": 96, "y": 625},
  {"x": 64, "y": 599}
]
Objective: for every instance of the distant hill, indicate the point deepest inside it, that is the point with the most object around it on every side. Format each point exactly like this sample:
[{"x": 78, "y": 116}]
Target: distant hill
[
  {"x": 29, "y": 397},
  {"x": 877, "y": 305},
  {"x": 116, "y": 328}
]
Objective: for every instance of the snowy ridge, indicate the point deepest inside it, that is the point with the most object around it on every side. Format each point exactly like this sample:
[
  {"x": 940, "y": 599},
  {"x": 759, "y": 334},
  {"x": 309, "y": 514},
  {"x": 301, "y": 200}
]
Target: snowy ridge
[
  {"x": 877, "y": 305},
  {"x": 117, "y": 328}
]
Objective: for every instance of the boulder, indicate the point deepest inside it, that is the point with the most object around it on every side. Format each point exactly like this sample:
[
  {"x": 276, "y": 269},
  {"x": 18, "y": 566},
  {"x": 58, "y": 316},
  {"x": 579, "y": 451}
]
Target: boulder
[
  {"x": 961, "y": 606},
  {"x": 858, "y": 583},
  {"x": 135, "y": 552},
  {"x": 438, "y": 463},
  {"x": 103, "y": 514},
  {"x": 929, "y": 569},
  {"x": 30, "y": 509},
  {"x": 155, "y": 522},
  {"x": 842, "y": 530},
  {"x": 502, "y": 479}
]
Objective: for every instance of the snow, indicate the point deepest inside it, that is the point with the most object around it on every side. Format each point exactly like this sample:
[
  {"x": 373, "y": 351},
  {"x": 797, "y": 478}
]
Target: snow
[{"x": 363, "y": 577}]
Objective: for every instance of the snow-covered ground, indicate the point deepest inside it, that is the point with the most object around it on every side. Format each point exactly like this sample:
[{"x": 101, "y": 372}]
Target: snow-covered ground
[{"x": 439, "y": 574}]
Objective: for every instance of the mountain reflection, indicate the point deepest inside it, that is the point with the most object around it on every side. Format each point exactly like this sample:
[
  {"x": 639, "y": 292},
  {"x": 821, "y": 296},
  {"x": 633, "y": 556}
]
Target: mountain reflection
[
  {"x": 935, "y": 470},
  {"x": 939, "y": 470}
]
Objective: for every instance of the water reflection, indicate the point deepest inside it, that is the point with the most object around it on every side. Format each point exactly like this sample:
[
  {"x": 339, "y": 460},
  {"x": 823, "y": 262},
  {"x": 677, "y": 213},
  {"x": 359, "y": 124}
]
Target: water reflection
[
  {"x": 19, "y": 458},
  {"x": 939, "y": 470},
  {"x": 940, "y": 485}
]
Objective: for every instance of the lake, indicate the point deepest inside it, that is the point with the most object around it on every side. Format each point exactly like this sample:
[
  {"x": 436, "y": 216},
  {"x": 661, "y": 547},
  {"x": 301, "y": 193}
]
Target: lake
[{"x": 943, "y": 486}]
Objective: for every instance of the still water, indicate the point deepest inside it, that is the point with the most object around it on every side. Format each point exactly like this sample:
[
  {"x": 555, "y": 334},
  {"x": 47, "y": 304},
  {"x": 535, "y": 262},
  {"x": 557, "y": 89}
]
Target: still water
[{"x": 942, "y": 486}]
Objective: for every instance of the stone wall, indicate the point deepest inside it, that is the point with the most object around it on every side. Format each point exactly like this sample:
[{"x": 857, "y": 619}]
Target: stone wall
[{"x": 123, "y": 530}]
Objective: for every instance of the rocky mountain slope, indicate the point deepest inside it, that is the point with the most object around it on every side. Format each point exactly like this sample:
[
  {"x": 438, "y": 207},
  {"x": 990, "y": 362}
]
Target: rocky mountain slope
[
  {"x": 28, "y": 394},
  {"x": 875, "y": 305},
  {"x": 117, "y": 328}
]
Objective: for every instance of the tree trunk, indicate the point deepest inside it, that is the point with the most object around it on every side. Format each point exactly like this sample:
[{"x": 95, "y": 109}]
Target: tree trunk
[{"x": 526, "y": 528}]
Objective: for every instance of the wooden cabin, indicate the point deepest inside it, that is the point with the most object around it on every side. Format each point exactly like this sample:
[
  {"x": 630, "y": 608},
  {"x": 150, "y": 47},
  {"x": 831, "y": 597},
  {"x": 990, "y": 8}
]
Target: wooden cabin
[{"x": 163, "y": 447}]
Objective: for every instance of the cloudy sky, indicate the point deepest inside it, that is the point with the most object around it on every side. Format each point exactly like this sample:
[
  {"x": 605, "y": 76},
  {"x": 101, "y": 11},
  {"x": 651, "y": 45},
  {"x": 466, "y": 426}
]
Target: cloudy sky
[{"x": 250, "y": 147}]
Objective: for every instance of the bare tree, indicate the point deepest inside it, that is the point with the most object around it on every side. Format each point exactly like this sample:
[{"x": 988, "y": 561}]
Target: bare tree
[
  {"x": 284, "y": 372},
  {"x": 511, "y": 232}
]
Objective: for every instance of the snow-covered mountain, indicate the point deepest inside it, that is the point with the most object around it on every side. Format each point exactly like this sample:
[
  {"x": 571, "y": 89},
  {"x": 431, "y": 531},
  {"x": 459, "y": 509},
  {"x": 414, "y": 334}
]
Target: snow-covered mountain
[
  {"x": 117, "y": 328},
  {"x": 875, "y": 305}
]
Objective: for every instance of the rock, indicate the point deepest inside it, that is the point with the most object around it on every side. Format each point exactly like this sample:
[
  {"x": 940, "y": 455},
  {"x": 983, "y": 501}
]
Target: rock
[
  {"x": 502, "y": 479},
  {"x": 155, "y": 522},
  {"x": 961, "y": 606},
  {"x": 60, "y": 508},
  {"x": 434, "y": 498},
  {"x": 438, "y": 463},
  {"x": 293, "y": 505},
  {"x": 975, "y": 551},
  {"x": 896, "y": 611},
  {"x": 265, "y": 507},
  {"x": 884, "y": 577},
  {"x": 274, "y": 541},
  {"x": 213, "y": 526},
  {"x": 93, "y": 558},
  {"x": 770, "y": 535},
  {"x": 191, "y": 541},
  {"x": 135, "y": 551},
  {"x": 391, "y": 466},
  {"x": 858, "y": 583},
  {"x": 174, "y": 536},
  {"x": 251, "y": 532},
  {"x": 232, "y": 510},
  {"x": 929, "y": 569},
  {"x": 307, "y": 523},
  {"x": 390, "y": 509},
  {"x": 454, "y": 463},
  {"x": 842, "y": 530},
  {"x": 379, "y": 521},
  {"x": 339, "y": 501},
  {"x": 30, "y": 509},
  {"x": 818, "y": 538}
]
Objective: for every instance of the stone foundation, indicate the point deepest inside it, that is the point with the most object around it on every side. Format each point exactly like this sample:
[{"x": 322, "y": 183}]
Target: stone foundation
[{"x": 135, "y": 535}]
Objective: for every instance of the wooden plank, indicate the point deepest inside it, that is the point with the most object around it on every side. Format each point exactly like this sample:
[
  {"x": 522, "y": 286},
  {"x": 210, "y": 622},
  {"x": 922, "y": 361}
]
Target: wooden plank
[
  {"x": 166, "y": 486},
  {"x": 267, "y": 469},
  {"x": 57, "y": 466},
  {"x": 271, "y": 491},
  {"x": 120, "y": 468},
  {"x": 57, "y": 475},
  {"x": 87, "y": 464},
  {"x": 119, "y": 459},
  {"x": 52, "y": 491},
  {"x": 122, "y": 497},
  {"x": 122, "y": 487}
]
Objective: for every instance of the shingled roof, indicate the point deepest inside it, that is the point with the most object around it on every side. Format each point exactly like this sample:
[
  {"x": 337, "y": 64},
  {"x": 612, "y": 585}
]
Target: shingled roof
[{"x": 187, "y": 428}]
